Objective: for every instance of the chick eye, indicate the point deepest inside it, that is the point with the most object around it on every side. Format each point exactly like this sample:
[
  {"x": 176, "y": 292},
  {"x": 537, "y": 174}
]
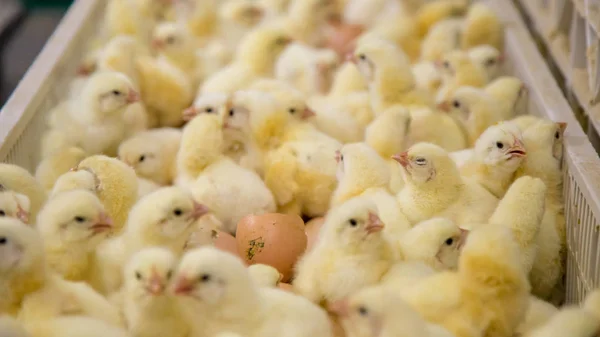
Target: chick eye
[
  {"x": 209, "y": 110},
  {"x": 2, "y": 213},
  {"x": 362, "y": 57},
  {"x": 490, "y": 62},
  {"x": 177, "y": 212},
  {"x": 420, "y": 160},
  {"x": 353, "y": 222},
  {"x": 170, "y": 40},
  {"x": 342, "y": 158},
  {"x": 3, "y": 240},
  {"x": 231, "y": 113},
  {"x": 169, "y": 274},
  {"x": 456, "y": 104},
  {"x": 205, "y": 278},
  {"x": 449, "y": 242},
  {"x": 116, "y": 92},
  {"x": 557, "y": 135},
  {"x": 363, "y": 311},
  {"x": 138, "y": 275},
  {"x": 142, "y": 158},
  {"x": 79, "y": 219},
  {"x": 499, "y": 145},
  {"x": 446, "y": 64},
  {"x": 281, "y": 41},
  {"x": 292, "y": 111}
]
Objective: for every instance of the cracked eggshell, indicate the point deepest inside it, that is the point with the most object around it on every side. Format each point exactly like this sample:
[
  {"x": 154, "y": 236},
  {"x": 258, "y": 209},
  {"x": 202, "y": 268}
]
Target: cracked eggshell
[{"x": 274, "y": 239}]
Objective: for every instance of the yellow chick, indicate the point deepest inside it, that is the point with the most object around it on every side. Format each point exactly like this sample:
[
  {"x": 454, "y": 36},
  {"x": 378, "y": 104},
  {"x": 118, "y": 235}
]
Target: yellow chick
[
  {"x": 436, "y": 127},
  {"x": 482, "y": 26},
  {"x": 406, "y": 274},
  {"x": 51, "y": 168},
  {"x": 17, "y": 179},
  {"x": 378, "y": 311},
  {"x": 351, "y": 252},
  {"x": 119, "y": 54},
  {"x": 14, "y": 205},
  {"x": 488, "y": 58},
  {"x": 441, "y": 39},
  {"x": 525, "y": 121},
  {"x": 148, "y": 306},
  {"x": 474, "y": 109},
  {"x": 348, "y": 79},
  {"x": 152, "y": 154},
  {"x": 228, "y": 189},
  {"x": 436, "y": 242},
  {"x": 124, "y": 17},
  {"x": 217, "y": 285},
  {"x": 387, "y": 70},
  {"x": 305, "y": 19},
  {"x": 512, "y": 94},
  {"x": 401, "y": 30},
  {"x": 265, "y": 275},
  {"x": 200, "y": 17},
  {"x": 73, "y": 224},
  {"x": 93, "y": 121},
  {"x": 538, "y": 314},
  {"x": 487, "y": 296},
  {"x": 427, "y": 76},
  {"x": 236, "y": 18},
  {"x": 497, "y": 155},
  {"x": 459, "y": 70},
  {"x": 434, "y": 187},
  {"x": 436, "y": 11},
  {"x": 254, "y": 58}
]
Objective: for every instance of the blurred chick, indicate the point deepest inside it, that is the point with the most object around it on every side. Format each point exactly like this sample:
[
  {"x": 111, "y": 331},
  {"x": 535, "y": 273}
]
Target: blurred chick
[
  {"x": 442, "y": 38},
  {"x": 351, "y": 253},
  {"x": 512, "y": 94},
  {"x": 218, "y": 295},
  {"x": 488, "y": 58},
  {"x": 14, "y": 205},
  {"x": 305, "y": 19},
  {"x": 432, "y": 12},
  {"x": 136, "y": 18},
  {"x": 17, "y": 179},
  {"x": 149, "y": 309},
  {"x": 436, "y": 127},
  {"x": 152, "y": 154},
  {"x": 73, "y": 224},
  {"x": 459, "y": 70},
  {"x": 497, "y": 155},
  {"x": 436, "y": 242},
  {"x": 57, "y": 164},
  {"x": 229, "y": 190},
  {"x": 434, "y": 187},
  {"x": 482, "y": 26},
  {"x": 264, "y": 275}
]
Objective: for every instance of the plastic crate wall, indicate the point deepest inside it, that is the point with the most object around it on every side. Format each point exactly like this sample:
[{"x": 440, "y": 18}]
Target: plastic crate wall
[{"x": 22, "y": 120}]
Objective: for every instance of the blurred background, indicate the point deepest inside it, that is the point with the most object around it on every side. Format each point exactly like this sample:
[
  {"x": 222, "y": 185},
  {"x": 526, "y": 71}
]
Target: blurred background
[{"x": 25, "y": 25}]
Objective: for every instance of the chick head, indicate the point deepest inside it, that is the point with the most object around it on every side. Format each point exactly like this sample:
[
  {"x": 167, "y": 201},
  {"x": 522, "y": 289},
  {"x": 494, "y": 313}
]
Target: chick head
[
  {"x": 360, "y": 166},
  {"x": 501, "y": 146},
  {"x": 488, "y": 58},
  {"x": 291, "y": 100},
  {"x": 20, "y": 248},
  {"x": 510, "y": 89},
  {"x": 425, "y": 164},
  {"x": 388, "y": 134},
  {"x": 242, "y": 12},
  {"x": 75, "y": 217},
  {"x": 209, "y": 103},
  {"x": 374, "y": 54},
  {"x": 452, "y": 63},
  {"x": 356, "y": 221},
  {"x": 171, "y": 39},
  {"x": 260, "y": 48},
  {"x": 145, "y": 156},
  {"x": 463, "y": 103},
  {"x": 212, "y": 278},
  {"x": 108, "y": 93},
  {"x": 436, "y": 242},
  {"x": 148, "y": 273},
  {"x": 545, "y": 139},
  {"x": 169, "y": 211},
  {"x": 14, "y": 205}
]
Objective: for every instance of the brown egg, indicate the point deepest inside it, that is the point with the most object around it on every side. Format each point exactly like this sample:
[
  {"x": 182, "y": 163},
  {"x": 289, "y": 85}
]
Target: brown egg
[
  {"x": 226, "y": 242},
  {"x": 313, "y": 227},
  {"x": 273, "y": 239}
]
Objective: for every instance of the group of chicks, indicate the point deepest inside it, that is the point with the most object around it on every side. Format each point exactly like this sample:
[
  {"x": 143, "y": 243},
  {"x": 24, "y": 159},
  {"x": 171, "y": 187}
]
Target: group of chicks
[{"x": 441, "y": 197}]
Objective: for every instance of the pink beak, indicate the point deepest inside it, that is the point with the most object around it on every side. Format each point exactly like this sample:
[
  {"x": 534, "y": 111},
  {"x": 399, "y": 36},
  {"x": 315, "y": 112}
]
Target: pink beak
[
  {"x": 501, "y": 58},
  {"x": 464, "y": 234},
  {"x": 133, "y": 96},
  {"x": 307, "y": 113},
  {"x": 562, "y": 126},
  {"x": 156, "y": 286},
  {"x": 518, "y": 149},
  {"x": 339, "y": 308},
  {"x": 338, "y": 156},
  {"x": 402, "y": 158},
  {"x": 374, "y": 225},
  {"x": 22, "y": 215},
  {"x": 199, "y": 210},
  {"x": 444, "y": 106},
  {"x": 84, "y": 70},
  {"x": 103, "y": 224},
  {"x": 189, "y": 113},
  {"x": 183, "y": 286},
  {"x": 350, "y": 57},
  {"x": 157, "y": 44}
]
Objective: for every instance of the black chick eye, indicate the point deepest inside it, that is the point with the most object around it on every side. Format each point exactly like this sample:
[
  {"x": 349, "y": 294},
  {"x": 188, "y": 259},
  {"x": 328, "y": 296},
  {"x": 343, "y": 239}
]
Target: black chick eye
[
  {"x": 177, "y": 212},
  {"x": 209, "y": 110},
  {"x": 342, "y": 158},
  {"x": 170, "y": 39},
  {"x": 363, "y": 311},
  {"x": 231, "y": 112},
  {"x": 292, "y": 111},
  {"x": 169, "y": 274},
  {"x": 449, "y": 242},
  {"x": 456, "y": 104},
  {"x": 420, "y": 161},
  {"x": 499, "y": 145},
  {"x": 446, "y": 64},
  {"x": 138, "y": 275},
  {"x": 142, "y": 158},
  {"x": 205, "y": 278},
  {"x": 490, "y": 62},
  {"x": 353, "y": 222},
  {"x": 79, "y": 219},
  {"x": 3, "y": 240},
  {"x": 116, "y": 92},
  {"x": 2, "y": 213},
  {"x": 362, "y": 57},
  {"x": 557, "y": 135}
]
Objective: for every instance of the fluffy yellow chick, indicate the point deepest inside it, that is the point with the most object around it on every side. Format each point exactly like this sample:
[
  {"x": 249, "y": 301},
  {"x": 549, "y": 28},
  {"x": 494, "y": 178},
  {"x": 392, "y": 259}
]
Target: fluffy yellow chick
[
  {"x": 388, "y": 72},
  {"x": 57, "y": 164},
  {"x": 254, "y": 58},
  {"x": 265, "y": 275},
  {"x": 401, "y": 30},
  {"x": 459, "y": 70},
  {"x": 441, "y": 39},
  {"x": 488, "y": 58},
  {"x": 228, "y": 189},
  {"x": 427, "y": 76},
  {"x": 512, "y": 94},
  {"x": 73, "y": 224},
  {"x": 305, "y": 18},
  {"x": 236, "y": 18},
  {"x": 434, "y": 187},
  {"x": 152, "y": 154},
  {"x": 388, "y": 134},
  {"x": 219, "y": 295},
  {"x": 482, "y": 26},
  {"x": 538, "y": 314},
  {"x": 14, "y": 205},
  {"x": 487, "y": 296},
  {"x": 436, "y": 11},
  {"x": 497, "y": 155},
  {"x": 348, "y": 79},
  {"x": 93, "y": 121},
  {"x": 148, "y": 307},
  {"x": 436, "y": 242},
  {"x": 378, "y": 311},
  {"x": 33, "y": 292},
  {"x": 436, "y": 127},
  {"x": 351, "y": 252},
  {"x": 200, "y": 17},
  {"x": 406, "y": 274},
  {"x": 474, "y": 109},
  {"x": 119, "y": 54},
  {"x": 17, "y": 179},
  {"x": 136, "y": 18}
]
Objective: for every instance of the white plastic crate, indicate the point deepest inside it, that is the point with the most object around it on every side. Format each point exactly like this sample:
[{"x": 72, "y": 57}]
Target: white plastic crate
[{"x": 22, "y": 120}]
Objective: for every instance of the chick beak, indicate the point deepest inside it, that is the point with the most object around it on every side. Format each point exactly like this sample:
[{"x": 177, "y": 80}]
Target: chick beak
[
  {"x": 402, "y": 158},
  {"x": 339, "y": 308},
  {"x": 438, "y": 64},
  {"x": 183, "y": 286},
  {"x": 156, "y": 286},
  {"x": 517, "y": 150},
  {"x": 84, "y": 70},
  {"x": 444, "y": 106},
  {"x": 464, "y": 234},
  {"x": 562, "y": 126},
  {"x": 338, "y": 156},
  {"x": 133, "y": 96},
  {"x": 189, "y": 113},
  {"x": 374, "y": 224},
  {"x": 307, "y": 113},
  {"x": 501, "y": 58},
  {"x": 350, "y": 57},
  {"x": 22, "y": 214},
  {"x": 157, "y": 44},
  {"x": 103, "y": 224},
  {"x": 199, "y": 210}
]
